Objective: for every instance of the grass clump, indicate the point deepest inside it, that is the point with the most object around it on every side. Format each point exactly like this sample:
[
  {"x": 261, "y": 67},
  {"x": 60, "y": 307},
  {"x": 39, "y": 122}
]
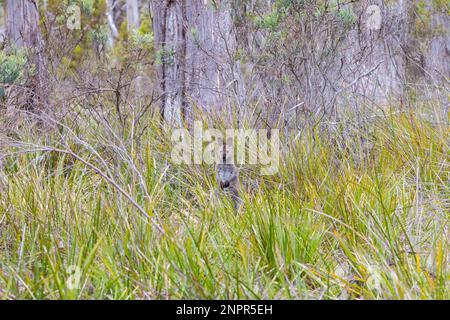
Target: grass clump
[{"x": 339, "y": 220}]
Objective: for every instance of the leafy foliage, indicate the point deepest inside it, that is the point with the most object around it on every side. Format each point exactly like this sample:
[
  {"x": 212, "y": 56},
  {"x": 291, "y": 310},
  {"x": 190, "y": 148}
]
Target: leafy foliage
[{"x": 12, "y": 68}]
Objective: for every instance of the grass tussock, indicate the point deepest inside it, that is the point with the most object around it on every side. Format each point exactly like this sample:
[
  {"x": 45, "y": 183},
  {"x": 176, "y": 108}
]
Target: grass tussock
[{"x": 341, "y": 219}]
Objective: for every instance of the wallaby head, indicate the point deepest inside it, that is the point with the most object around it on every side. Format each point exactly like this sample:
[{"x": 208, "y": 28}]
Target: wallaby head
[
  {"x": 228, "y": 181},
  {"x": 227, "y": 175}
]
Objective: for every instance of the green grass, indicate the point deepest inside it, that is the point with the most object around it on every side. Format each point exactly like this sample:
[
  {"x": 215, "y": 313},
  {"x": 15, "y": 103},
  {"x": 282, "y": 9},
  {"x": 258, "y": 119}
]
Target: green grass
[{"x": 340, "y": 220}]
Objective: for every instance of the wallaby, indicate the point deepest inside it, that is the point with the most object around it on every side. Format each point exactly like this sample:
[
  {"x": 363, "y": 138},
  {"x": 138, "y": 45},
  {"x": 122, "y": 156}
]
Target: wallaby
[{"x": 227, "y": 175}]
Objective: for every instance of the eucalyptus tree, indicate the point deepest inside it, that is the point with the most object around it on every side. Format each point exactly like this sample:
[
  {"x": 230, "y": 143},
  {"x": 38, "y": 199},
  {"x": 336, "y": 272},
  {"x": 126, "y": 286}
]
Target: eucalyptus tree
[
  {"x": 195, "y": 47},
  {"x": 23, "y": 33}
]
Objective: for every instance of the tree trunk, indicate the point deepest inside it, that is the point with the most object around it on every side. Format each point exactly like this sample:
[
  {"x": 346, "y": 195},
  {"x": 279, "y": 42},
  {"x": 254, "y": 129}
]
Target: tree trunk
[
  {"x": 195, "y": 46},
  {"x": 112, "y": 24},
  {"x": 2, "y": 26},
  {"x": 133, "y": 14},
  {"x": 22, "y": 31},
  {"x": 22, "y": 23}
]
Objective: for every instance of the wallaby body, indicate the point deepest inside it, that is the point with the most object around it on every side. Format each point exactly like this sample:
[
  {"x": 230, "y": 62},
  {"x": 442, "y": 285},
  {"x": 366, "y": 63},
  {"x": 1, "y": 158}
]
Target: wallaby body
[
  {"x": 228, "y": 182},
  {"x": 227, "y": 176}
]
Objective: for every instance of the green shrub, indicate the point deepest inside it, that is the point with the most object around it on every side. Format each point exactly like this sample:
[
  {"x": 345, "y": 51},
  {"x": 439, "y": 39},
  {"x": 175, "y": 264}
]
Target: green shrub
[{"x": 12, "y": 69}]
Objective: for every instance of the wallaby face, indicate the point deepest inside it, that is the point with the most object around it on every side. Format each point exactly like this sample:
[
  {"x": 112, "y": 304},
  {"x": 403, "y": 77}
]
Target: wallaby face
[
  {"x": 226, "y": 171},
  {"x": 227, "y": 175},
  {"x": 228, "y": 181}
]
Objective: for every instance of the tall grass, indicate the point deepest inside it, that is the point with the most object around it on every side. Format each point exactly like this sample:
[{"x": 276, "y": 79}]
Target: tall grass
[{"x": 342, "y": 219}]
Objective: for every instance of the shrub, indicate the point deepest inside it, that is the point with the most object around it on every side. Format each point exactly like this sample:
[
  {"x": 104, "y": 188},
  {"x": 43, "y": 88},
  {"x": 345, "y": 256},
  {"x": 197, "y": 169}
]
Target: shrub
[{"x": 12, "y": 69}]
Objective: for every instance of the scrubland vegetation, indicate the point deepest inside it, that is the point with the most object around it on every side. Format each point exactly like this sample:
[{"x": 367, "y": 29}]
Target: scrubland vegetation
[
  {"x": 338, "y": 221},
  {"x": 92, "y": 207}
]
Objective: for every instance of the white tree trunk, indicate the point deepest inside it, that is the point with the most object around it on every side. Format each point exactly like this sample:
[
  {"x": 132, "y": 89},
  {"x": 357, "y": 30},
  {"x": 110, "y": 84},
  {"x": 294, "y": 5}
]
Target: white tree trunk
[
  {"x": 112, "y": 24},
  {"x": 133, "y": 14}
]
